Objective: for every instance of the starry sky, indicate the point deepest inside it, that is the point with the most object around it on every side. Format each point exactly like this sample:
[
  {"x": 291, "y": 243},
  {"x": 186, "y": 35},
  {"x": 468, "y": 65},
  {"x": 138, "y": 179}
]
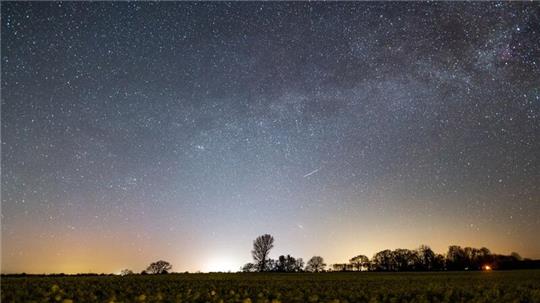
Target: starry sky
[{"x": 133, "y": 132}]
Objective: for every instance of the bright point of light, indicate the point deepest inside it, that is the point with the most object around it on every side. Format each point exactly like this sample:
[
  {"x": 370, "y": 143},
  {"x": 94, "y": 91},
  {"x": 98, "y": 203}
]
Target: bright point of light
[{"x": 487, "y": 267}]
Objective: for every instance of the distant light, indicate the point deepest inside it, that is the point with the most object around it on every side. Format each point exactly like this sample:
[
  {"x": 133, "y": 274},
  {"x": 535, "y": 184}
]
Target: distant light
[
  {"x": 487, "y": 267},
  {"x": 221, "y": 264}
]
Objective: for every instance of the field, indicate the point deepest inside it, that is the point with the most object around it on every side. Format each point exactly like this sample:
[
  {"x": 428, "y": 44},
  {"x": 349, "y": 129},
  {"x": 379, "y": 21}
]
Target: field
[{"x": 504, "y": 286}]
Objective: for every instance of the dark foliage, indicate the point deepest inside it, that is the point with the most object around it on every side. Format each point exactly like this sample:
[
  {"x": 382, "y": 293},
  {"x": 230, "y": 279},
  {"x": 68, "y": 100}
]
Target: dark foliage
[{"x": 159, "y": 267}]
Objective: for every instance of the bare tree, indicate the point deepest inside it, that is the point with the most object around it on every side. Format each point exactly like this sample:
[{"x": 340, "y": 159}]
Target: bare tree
[
  {"x": 159, "y": 267},
  {"x": 359, "y": 262},
  {"x": 261, "y": 248},
  {"x": 315, "y": 264}
]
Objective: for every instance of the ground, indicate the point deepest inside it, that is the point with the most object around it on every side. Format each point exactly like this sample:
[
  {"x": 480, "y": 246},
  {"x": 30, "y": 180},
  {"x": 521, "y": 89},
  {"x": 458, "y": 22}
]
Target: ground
[{"x": 494, "y": 286}]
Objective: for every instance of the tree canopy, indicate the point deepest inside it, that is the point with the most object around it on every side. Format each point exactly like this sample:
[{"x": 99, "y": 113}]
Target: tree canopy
[{"x": 159, "y": 267}]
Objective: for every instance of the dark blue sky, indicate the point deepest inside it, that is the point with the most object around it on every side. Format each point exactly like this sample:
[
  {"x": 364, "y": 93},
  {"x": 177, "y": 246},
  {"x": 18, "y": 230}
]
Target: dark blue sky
[{"x": 136, "y": 131}]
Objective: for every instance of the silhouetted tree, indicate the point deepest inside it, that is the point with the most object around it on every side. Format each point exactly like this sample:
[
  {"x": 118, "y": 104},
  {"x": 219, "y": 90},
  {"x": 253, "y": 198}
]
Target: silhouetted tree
[
  {"x": 383, "y": 261},
  {"x": 270, "y": 265},
  {"x": 125, "y": 272},
  {"x": 159, "y": 267},
  {"x": 281, "y": 265},
  {"x": 485, "y": 257},
  {"x": 405, "y": 259},
  {"x": 289, "y": 264},
  {"x": 478, "y": 258},
  {"x": 426, "y": 258},
  {"x": 516, "y": 256},
  {"x": 470, "y": 256},
  {"x": 339, "y": 267},
  {"x": 249, "y": 267},
  {"x": 359, "y": 262},
  {"x": 299, "y": 265},
  {"x": 456, "y": 258},
  {"x": 315, "y": 264},
  {"x": 342, "y": 267},
  {"x": 467, "y": 258},
  {"x": 261, "y": 248},
  {"x": 507, "y": 262},
  {"x": 421, "y": 259},
  {"x": 439, "y": 263}
]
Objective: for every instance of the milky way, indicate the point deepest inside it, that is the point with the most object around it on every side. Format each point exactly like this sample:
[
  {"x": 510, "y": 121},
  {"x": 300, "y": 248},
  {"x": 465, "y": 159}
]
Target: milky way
[{"x": 133, "y": 132}]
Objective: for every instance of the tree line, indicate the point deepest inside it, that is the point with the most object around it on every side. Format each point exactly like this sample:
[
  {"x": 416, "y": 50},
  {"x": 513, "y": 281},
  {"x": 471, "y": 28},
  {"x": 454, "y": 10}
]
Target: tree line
[{"x": 421, "y": 259}]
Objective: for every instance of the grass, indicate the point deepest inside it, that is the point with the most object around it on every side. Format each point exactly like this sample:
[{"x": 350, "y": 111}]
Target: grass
[{"x": 496, "y": 286}]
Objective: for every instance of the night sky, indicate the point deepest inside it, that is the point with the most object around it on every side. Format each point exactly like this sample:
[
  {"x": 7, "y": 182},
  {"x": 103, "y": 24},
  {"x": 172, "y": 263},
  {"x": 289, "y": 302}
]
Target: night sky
[{"x": 133, "y": 132}]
